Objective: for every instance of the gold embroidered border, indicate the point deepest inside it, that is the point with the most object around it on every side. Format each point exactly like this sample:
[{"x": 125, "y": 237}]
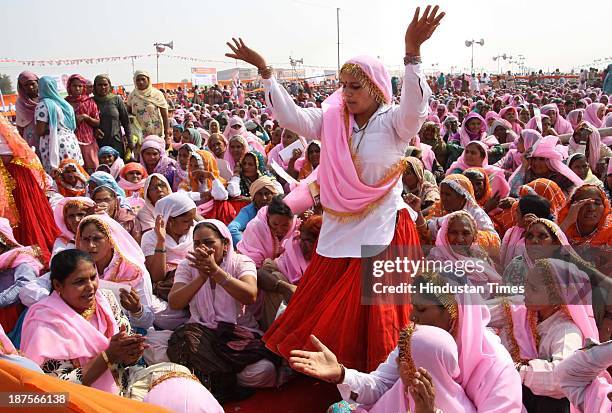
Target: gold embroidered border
[
  {"x": 447, "y": 300},
  {"x": 172, "y": 375},
  {"x": 405, "y": 352},
  {"x": 355, "y": 70},
  {"x": 9, "y": 184}
]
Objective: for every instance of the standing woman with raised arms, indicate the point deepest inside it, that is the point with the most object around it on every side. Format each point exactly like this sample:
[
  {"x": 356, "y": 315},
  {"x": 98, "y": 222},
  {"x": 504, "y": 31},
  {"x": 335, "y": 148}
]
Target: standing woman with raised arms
[{"x": 363, "y": 140}]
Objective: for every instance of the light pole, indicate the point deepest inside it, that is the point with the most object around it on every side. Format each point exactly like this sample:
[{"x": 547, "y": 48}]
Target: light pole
[
  {"x": 498, "y": 59},
  {"x": 159, "y": 48},
  {"x": 470, "y": 43}
]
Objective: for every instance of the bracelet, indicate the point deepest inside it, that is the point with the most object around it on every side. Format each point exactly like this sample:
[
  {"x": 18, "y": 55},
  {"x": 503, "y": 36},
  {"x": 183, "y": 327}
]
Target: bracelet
[
  {"x": 138, "y": 313},
  {"x": 106, "y": 360},
  {"x": 161, "y": 251},
  {"x": 265, "y": 72},
  {"x": 412, "y": 60},
  {"x": 342, "y": 374},
  {"x": 226, "y": 279}
]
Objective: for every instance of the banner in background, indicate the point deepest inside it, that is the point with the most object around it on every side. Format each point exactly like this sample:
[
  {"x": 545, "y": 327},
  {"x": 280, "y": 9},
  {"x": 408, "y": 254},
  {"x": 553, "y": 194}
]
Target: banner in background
[{"x": 203, "y": 76}]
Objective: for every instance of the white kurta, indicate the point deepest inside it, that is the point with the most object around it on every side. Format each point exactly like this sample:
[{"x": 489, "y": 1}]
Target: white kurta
[{"x": 379, "y": 145}]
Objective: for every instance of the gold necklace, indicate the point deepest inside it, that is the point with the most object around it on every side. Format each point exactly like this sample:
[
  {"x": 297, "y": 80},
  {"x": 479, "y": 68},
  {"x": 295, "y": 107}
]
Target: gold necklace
[{"x": 89, "y": 313}]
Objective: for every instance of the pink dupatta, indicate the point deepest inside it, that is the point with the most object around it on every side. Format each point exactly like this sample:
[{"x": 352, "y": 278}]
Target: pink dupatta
[
  {"x": 292, "y": 262},
  {"x": 58, "y": 214},
  {"x": 434, "y": 350},
  {"x": 342, "y": 191},
  {"x": 496, "y": 177},
  {"x": 258, "y": 243},
  {"x": 547, "y": 148},
  {"x": 18, "y": 254},
  {"x": 52, "y": 330},
  {"x": 127, "y": 265},
  {"x": 466, "y": 137},
  {"x": 444, "y": 251},
  {"x": 590, "y": 115}
]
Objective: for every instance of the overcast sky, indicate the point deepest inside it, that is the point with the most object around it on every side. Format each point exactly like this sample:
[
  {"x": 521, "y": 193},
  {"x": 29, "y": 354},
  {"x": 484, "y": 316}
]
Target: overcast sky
[{"x": 549, "y": 34}]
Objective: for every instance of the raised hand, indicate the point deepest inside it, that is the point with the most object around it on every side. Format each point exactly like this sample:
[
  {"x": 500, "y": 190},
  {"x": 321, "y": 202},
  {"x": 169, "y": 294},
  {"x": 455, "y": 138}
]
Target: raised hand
[
  {"x": 321, "y": 364},
  {"x": 160, "y": 229},
  {"x": 242, "y": 52},
  {"x": 421, "y": 28}
]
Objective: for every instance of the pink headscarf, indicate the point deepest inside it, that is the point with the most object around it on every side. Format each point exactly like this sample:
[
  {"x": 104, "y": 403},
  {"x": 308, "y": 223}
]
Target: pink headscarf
[
  {"x": 434, "y": 350},
  {"x": 127, "y": 265},
  {"x": 561, "y": 126},
  {"x": 228, "y": 156},
  {"x": 594, "y": 142},
  {"x": 482, "y": 359},
  {"x": 516, "y": 127},
  {"x": 512, "y": 245},
  {"x": 58, "y": 214},
  {"x": 25, "y": 106},
  {"x": 258, "y": 243},
  {"x": 496, "y": 177},
  {"x": 572, "y": 117},
  {"x": 427, "y": 154},
  {"x": 491, "y": 115},
  {"x": 52, "y": 330},
  {"x": 547, "y": 148},
  {"x": 172, "y": 206},
  {"x": 251, "y": 139},
  {"x": 187, "y": 396},
  {"x": 292, "y": 262},
  {"x": 590, "y": 114},
  {"x": 342, "y": 192},
  {"x": 18, "y": 254},
  {"x": 165, "y": 162},
  {"x": 434, "y": 118},
  {"x": 574, "y": 289},
  {"x": 444, "y": 251},
  {"x": 465, "y": 136}
]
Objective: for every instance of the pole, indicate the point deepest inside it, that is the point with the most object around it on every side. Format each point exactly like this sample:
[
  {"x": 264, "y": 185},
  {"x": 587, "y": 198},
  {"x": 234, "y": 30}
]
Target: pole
[
  {"x": 157, "y": 55},
  {"x": 472, "y": 57},
  {"x": 338, "y": 34},
  {"x": 133, "y": 71}
]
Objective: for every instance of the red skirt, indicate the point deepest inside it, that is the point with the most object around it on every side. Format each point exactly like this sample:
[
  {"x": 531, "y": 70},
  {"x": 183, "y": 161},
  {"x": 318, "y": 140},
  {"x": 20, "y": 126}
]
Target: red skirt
[
  {"x": 36, "y": 222},
  {"x": 238, "y": 205},
  {"x": 223, "y": 211},
  {"x": 328, "y": 304}
]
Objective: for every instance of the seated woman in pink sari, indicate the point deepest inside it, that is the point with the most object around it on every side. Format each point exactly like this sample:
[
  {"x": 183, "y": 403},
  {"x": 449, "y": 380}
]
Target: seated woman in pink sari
[
  {"x": 118, "y": 259},
  {"x": 554, "y": 321},
  {"x": 221, "y": 343},
  {"x": 265, "y": 234},
  {"x": 68, "y": 213},
  {"x": 236, "y": 127},
  {"x": 429, "y": 373},
  {"x": 287, "y": 138},
  {"x": 277, "y": 279},
  {"x": 486, "y": 372},
  {"x": 78, "y": 333},
  {"x": 456, "y": 242},
  {"x": 545, "y": 160},
  {"x": 475, "y": 156}
]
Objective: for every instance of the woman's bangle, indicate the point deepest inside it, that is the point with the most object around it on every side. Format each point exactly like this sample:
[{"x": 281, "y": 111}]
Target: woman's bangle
[
  {"x": 226, "y": 279},
  {"x": 342, "y": 374},
  {"x": 265, "y": 72},
  {"x": 160, "y": 250},
  {"x": 106, "y": 360},
  {"x": 412, "y": 60},
  {"x": 138, "y": 313}
]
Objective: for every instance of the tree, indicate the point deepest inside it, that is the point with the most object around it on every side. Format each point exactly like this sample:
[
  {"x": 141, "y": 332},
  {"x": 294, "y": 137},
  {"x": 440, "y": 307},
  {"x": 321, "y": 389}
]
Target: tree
[
  {"x": 185, "y": 81},
  {"x": 6, "y": 86}
]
